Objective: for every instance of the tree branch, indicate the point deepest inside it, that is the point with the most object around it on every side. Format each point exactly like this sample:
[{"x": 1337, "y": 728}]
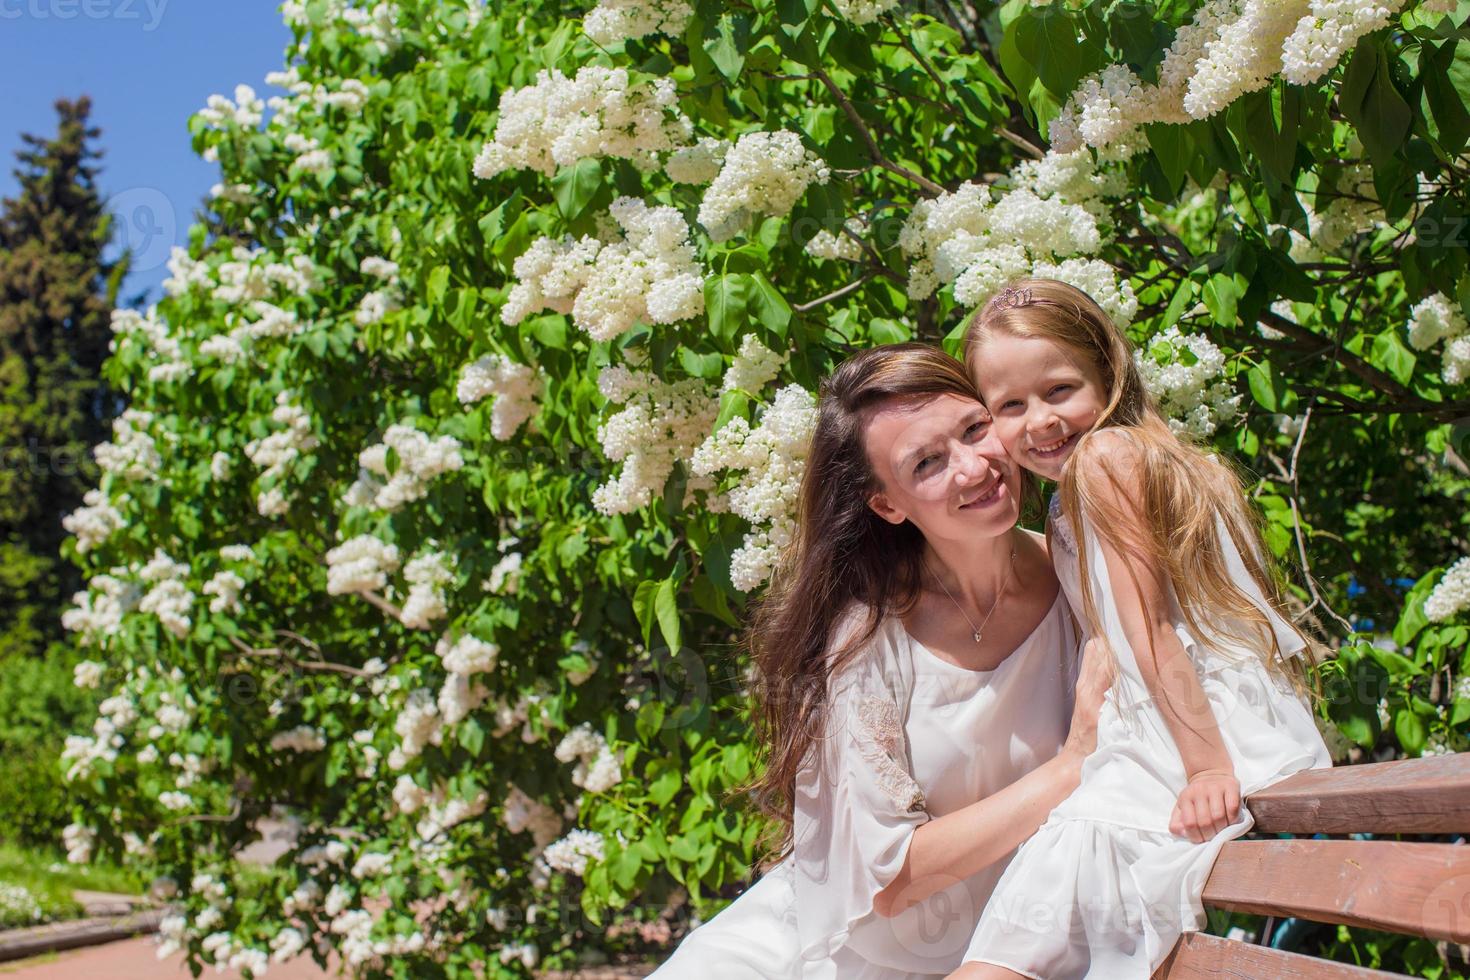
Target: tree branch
[
  {"x": 835, "y": 294},
  {"x": 874, "y": 152}
]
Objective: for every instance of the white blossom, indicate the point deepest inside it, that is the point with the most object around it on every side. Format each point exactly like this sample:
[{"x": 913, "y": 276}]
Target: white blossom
[
  {"x": 421, "y": 459},
  {"x": 1184, "y": 374},
  {"x": 1451, "y": 595},
  {"x": 573, "y": 852},
  {"x": 302, "y": 738},
  {"x": 660, "y": 423},
  {"x": 225, "y": 587},
  {"x": 522, "y": 813},
  {"x": 87, "y": 674},
  {"x": 94, "y": 522},
  {"x": 864, "y": 11},
  {"x": 767, "y": 463},
  {"x": 763, "y": 173},
  {"x": 602, "y": 112},
  {"x": 598, "y": 768},
  {"x": 426, "y": 575},
  {"x": 515, "y": 387},
  {"x": 697, "y": 164},
  {"x": 360, "y": 565},
  {"x": 612, "y": 21}
]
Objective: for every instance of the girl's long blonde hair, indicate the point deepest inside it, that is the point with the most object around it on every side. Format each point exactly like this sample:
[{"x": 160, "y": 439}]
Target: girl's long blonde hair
[{"x": 1185, "y": 489}]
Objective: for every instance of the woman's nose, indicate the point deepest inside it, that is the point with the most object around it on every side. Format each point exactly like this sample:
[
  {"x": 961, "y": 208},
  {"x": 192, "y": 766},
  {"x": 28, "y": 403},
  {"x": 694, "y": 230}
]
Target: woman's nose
[{"x": 973, "y": 466}]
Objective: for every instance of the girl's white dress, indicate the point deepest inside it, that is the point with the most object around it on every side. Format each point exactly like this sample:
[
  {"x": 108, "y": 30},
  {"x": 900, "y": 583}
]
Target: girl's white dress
[
  {"x": 1103, "y": 889},
  {"x": 910, "y": 737}
]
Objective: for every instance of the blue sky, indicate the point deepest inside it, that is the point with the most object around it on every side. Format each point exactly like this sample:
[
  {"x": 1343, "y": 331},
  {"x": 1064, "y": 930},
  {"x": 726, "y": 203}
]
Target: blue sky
[{"x": 148, "y": 65}]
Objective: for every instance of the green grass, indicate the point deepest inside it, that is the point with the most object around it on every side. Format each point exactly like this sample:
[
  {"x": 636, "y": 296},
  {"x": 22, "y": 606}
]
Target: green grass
[{"x": 48, "y": 881}]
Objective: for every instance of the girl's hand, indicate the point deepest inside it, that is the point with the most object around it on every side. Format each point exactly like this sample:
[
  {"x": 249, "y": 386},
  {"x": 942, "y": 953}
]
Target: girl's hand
[
  {"x": 1093, "y": 680},
  {"x": 1208, "y": 805}
]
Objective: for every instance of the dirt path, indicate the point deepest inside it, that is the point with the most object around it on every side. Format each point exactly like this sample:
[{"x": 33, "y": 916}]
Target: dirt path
[{"x": 135, "y": 959}]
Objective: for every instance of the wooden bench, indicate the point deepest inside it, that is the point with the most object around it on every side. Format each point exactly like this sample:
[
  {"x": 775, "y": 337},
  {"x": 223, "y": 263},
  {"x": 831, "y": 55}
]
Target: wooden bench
[{"x": 1419, "y": 889}]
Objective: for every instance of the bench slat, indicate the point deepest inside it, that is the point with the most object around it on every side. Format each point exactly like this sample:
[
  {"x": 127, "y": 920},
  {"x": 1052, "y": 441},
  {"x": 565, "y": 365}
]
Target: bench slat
[
  {"x": 1202, "y": 957},
  {"x": 1416, "y": 889},
  {"x": 1409, "y": 796}
]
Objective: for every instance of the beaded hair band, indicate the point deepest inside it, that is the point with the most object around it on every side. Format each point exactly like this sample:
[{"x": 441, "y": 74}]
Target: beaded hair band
[{"x": 1011, "y": 297}]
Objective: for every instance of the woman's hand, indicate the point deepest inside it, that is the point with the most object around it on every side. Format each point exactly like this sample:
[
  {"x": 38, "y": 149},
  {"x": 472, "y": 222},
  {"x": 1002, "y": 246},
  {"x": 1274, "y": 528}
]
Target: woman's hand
[
  {"x": 1093, "y": 681},
  {"x": 1208, "y": 805}
]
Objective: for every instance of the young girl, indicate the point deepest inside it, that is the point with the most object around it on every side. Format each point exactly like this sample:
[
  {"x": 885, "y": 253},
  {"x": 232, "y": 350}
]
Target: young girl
[{"x": 1157, "y": 550}]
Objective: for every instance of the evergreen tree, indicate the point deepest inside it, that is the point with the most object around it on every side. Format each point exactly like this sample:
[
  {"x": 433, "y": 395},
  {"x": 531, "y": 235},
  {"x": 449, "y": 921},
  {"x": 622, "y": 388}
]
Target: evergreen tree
[{"x": 56, "y": 294}]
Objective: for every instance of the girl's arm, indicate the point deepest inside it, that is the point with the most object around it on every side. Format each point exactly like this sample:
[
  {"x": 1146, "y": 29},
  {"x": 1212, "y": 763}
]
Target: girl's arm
[
  {"x": 950, "y": 848},
  {"x": 1140, "y": 590}
]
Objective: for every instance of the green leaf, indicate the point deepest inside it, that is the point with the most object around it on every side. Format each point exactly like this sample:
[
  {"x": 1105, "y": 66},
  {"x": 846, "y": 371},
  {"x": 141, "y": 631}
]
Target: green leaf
[
  {"x": 1173, "y": 147},
  {"x": 574, "y": 187},
  {"x": 725, "y": 302},
  {"x": 1389, "y": 353},
  {"x": 728, "y": 47},
  {"x": 1266, "y": 385},
  {"x": 1371, "y": 102},
  {"x": 1220, "y": 295},
  {"x": 644, "y": 600},
  {"x": 472, "y": 736},
  {"x": 438, "y": 283},
  {"x": 1409, "y": 729},
  {"x": 768, "y": 305},
  {"x": 1446, "y": 78},
  {"x": 1270, "y": 121},
  {"x": 701, "y": 365},
  {"x": 665, "y": 605},
  {"x": 665, "y": 786}
]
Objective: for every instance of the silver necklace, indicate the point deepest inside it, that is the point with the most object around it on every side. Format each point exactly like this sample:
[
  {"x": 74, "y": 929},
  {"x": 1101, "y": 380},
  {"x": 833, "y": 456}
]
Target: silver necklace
[{"x": 978, "y": 632}]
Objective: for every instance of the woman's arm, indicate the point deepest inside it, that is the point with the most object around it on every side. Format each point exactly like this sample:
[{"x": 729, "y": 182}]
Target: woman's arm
[{"x": 957, "y": 845}]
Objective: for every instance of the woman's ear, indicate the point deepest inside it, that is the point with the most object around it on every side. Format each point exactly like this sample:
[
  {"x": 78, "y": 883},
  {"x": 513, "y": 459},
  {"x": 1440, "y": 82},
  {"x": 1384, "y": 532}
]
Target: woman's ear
[{"x": 881, "y": 506}]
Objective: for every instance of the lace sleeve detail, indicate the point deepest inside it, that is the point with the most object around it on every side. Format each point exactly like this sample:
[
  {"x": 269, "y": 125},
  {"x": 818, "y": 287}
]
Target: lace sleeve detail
[
  {"x": 881, "y": 743},
  {"x": 1061, "y": 528}
]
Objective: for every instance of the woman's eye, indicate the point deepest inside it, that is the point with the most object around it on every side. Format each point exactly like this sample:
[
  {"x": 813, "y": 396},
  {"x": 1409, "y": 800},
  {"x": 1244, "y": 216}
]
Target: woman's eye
[
  {"x": 975, "y": 429},
  {"x": 925, "y": 463}
]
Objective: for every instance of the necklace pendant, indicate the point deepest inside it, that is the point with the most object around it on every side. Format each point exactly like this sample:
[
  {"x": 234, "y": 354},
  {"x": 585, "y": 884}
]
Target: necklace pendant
[{"x": 976, "y": 635}]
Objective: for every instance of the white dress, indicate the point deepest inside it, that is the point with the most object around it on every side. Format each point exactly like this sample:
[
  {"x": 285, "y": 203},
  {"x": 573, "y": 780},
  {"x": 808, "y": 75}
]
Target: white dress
[
  {"x": 1103, "y": 889},
  {"x": 911, "y": 737}
]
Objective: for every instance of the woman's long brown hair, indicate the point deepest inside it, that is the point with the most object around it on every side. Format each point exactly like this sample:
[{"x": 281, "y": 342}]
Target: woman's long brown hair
[{"x": 842, "y": 554}]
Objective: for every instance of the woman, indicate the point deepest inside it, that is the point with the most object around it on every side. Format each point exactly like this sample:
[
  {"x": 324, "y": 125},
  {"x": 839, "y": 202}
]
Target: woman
[{"x": 916, "y": 664}]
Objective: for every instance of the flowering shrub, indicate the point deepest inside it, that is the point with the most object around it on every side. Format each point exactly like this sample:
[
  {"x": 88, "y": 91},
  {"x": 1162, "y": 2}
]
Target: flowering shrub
[{"x": 442, "y": 491}]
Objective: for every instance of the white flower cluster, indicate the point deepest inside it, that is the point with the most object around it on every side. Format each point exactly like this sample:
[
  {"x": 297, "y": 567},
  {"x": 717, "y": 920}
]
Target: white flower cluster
[
  {"x": 186, "y": 273},
  {"x": 1451, "y": 595},
  {"x": 603, "y": 112},
  {"x": 18, "y": 905},
  {"x": 427, "y": 575},
  {"x": 378, "y": 303},
  {"x": 1100, "y": 281},
  {"x": 156, "y": 339},
  {"x": 979, "y": 242},
  {"x": 763, "y": 173},
  {"x": 251, "y": 274},
  {"x": 516, "y": 388},
  {"x": 1228, "y": 49},
  {"x": 612, "y": 21},
  {"x": 522, "y": 813},
  {"x": 169, "y": 599},
  {"x": 362, "y": 564},
  {"x": 309, "y": 155},
  {"x": 87, "y": 674},
  {"x": 99, "y": 611},
  {"x": 446, "y": 812},
  {"x": 78, "y": 841},
  {"x": 225, "y": 587},
  {"x": 93, "y": 522},
  {"x": 842, "y": 246},
  {"x": 754, "y": 367},
  {"x": 660, "y": 423},
  {"x": 276, "y": 452},
  {"x": 1437, "y": 318},
  {"x": 132, "y": 453},
  {"x": 598, "y": 768},
  {"x": 1184, "y": 374},
  {"x": 1352, "y": 209},
  {"x": 864, "y": 11},
  {"x": 420, "y": 460},
  {"x": 302, "y": 738},
  {"x": 697, "y": 164},
  {"x": 463, "y": 657},
  {"x": 650, "y": 276},
  {"x": 768, "y": 461},
  {"x": 245, "y": 112},
  {"x": 505, "y": 577},
  {"x": 572, "y": 853}
]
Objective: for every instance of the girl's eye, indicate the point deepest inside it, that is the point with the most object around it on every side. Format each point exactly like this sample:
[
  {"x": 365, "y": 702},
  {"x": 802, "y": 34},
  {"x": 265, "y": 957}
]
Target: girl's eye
[
  {"x": 1058, "y": 389},
  {"x": 1013, "y": 403}
]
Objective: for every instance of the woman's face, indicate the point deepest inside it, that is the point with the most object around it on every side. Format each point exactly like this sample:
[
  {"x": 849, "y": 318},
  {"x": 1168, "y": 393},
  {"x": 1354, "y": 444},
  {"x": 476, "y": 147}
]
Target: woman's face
[
  {"x": 939, "y": 464},
  {"x": 1043, "y": 396}
]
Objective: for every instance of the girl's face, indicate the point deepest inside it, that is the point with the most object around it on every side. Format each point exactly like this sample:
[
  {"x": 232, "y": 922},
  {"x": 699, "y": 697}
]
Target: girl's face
[
  {"x": 1044, "y": 397},
  {"x": 939, "y": 464}
]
